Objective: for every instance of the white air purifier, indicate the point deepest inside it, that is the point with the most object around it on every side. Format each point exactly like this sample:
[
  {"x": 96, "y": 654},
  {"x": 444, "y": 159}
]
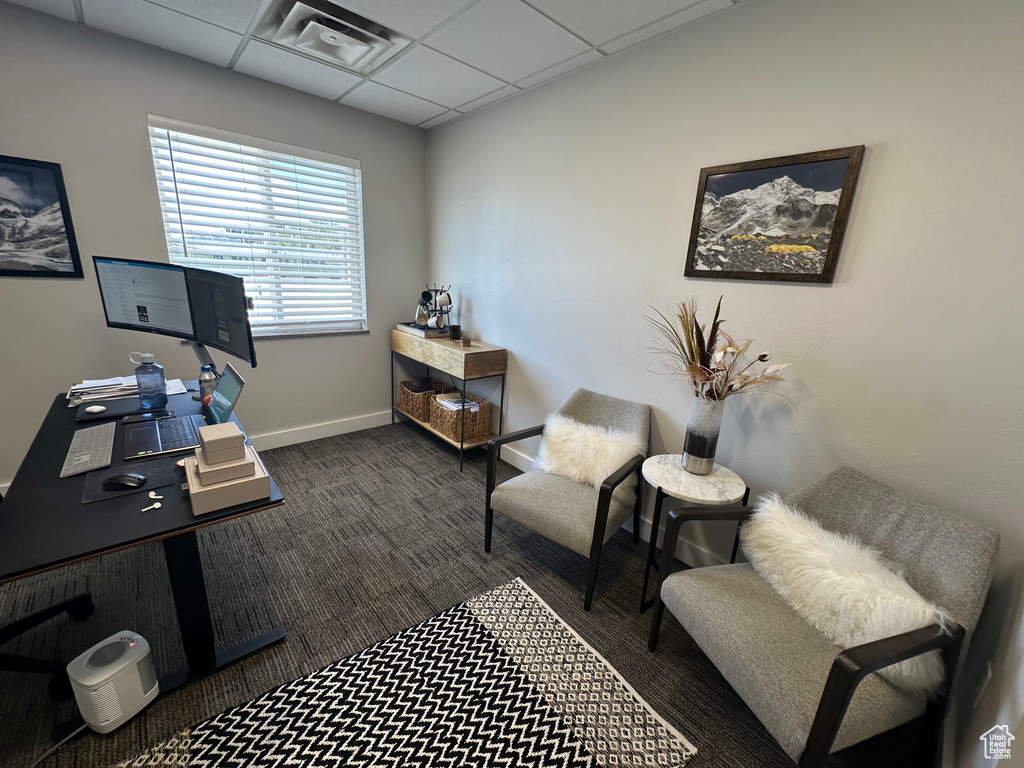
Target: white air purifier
[{"x": 113, "y": 681}]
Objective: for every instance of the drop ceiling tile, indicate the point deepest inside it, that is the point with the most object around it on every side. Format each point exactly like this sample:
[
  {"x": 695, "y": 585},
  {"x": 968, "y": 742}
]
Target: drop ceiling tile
[
  {"x": 377, "y": 98},
  {"x": 506, "y": 38},
  {"x": 600, "y": 20},
  {"x": 560, "y": 69},
  {"x": 440, "y": 119},
  {"x": 413, "y": 18},
  {"x": 158, "y": 26},
  {"x": 270, "y": 63},
  {"x": 685, "y": 17},
  {"x": 437, "y": 77},
  {"x": 64, "y": 9},
  {"x": 490, "y": 98},
  {"x": 235, "y": 15}
]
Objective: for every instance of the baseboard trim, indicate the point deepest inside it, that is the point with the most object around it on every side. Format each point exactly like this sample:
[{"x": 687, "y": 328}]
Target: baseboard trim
[
  {"x": 686, "y": 550},
  {"x": 309, "y": 432},
  {"x": 517, "y": 459}
]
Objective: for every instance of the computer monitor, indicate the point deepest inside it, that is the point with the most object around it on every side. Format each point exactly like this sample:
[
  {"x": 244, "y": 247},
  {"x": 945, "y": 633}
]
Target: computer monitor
[
  {"x": 219, "y": 312},
  {"x": 197, "y": 305}
]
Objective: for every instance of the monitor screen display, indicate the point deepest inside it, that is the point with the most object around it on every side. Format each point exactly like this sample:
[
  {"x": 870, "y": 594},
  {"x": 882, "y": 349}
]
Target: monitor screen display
[
  {"x": 197, "y": 305},
  {"x": 142, "y": 296},
  {"x": 219, "y": 312}
]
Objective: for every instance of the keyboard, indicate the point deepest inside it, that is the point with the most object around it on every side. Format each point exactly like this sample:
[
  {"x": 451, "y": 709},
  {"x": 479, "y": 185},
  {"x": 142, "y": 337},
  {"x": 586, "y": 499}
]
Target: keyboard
[
  {"x": 177, "y": 433},
  {"x": 90, "y": 449}
]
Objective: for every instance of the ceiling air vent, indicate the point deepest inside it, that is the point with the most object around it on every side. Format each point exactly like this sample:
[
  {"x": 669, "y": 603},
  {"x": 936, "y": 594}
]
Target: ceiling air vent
[{"x": 330, "y": 33}]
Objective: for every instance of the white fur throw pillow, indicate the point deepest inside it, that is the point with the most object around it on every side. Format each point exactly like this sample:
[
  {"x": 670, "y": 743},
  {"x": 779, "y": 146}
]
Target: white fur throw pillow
[
  {"x": 587, "y": 453},
  {"x": 841, "y": 587}
]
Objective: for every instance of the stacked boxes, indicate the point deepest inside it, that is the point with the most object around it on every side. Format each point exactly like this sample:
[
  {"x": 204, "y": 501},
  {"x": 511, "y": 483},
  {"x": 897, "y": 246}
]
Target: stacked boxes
[{"x": 225, "y": 471}]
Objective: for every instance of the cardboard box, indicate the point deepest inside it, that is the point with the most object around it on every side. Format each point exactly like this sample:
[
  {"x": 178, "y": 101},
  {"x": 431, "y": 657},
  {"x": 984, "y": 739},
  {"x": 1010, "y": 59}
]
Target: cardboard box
[
  {"x": 219, "y": 472},
  {"x": 222, "y": 442},
  {"x": 210, "y": 498}
]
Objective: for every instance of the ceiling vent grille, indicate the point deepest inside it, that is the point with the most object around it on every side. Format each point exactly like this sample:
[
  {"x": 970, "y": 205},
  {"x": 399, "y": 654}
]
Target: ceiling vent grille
[{"x": 330, "y": 33}]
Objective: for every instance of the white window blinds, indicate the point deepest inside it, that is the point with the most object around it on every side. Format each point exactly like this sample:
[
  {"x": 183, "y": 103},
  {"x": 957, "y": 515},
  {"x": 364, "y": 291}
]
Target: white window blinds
[{"x": 288, "y": 221}]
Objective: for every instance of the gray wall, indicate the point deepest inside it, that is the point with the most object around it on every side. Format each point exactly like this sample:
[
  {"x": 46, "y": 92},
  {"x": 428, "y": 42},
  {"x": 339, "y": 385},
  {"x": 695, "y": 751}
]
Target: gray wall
[
  {"x": 79, "y": 97},
  {"x": 566, "y": 211}
]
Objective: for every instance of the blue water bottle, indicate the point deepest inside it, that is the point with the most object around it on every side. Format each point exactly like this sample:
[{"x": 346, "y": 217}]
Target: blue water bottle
[{"x": 150, "y": 378}]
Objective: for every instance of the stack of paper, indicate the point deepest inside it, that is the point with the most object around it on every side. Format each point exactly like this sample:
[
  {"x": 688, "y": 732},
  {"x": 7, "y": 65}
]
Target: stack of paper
[
  {"x": 114, "y": 388},
  {"x": 458, "y": 404}
]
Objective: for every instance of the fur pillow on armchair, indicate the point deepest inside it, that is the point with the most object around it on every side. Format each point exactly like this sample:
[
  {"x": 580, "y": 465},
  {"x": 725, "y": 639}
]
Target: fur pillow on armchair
[
  {"x": 841, "y": 587},
  {"x": 587, "y": 453}
]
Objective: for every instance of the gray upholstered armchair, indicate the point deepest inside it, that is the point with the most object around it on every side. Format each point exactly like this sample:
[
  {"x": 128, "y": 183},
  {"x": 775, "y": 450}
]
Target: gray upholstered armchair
[
  {"x": 813, "y": 696},
  {"x": 572, "y": 514}
]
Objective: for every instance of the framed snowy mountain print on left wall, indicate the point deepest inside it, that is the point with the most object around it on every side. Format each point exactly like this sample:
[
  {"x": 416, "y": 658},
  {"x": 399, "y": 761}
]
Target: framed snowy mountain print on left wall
[
  {"x": 36, "y": 235},
  {"x": 777, "y": 219}
]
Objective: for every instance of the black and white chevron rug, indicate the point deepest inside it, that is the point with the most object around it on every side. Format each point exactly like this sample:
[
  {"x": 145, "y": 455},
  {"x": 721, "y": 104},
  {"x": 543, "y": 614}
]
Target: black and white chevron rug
[{"x": 500, "y": 680}]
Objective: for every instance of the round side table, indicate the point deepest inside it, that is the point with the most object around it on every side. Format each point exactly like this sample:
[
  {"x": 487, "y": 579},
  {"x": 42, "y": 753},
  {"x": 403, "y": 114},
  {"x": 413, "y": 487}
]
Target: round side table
[{"x": 720, "y": 487}]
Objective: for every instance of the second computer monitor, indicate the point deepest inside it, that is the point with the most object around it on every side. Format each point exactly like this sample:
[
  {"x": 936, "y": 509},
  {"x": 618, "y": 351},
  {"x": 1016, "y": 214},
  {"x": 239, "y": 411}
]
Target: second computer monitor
[{"x": 219, "y": 312}]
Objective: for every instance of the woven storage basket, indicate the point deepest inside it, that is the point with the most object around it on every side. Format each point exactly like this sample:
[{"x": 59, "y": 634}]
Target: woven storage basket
[
  {"x": 415, "y": 396},
  {"x": 449, "y": 423}
]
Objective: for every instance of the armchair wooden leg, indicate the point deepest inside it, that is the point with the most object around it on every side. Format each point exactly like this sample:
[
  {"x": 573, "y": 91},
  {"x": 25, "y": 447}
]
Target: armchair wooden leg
[
  {"x": 656, "y": 615},
  {"x": 488, "y": 524},
  {"x": 595, "y": 559},
  {"x": 636, "y": 508}
]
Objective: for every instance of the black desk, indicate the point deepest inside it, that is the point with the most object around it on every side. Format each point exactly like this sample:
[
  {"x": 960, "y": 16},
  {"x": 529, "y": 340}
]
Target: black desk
[{"x": 44, "y": 525}]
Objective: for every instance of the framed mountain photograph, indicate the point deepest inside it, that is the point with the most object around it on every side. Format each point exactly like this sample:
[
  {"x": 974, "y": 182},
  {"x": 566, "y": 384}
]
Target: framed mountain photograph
[
  {"x": 36, "y": 235},
  {"x": 777, "y": 219}
]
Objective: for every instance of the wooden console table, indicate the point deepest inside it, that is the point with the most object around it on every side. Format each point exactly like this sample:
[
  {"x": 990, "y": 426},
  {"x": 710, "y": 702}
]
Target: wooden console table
[{"x": 479, "y": 361}]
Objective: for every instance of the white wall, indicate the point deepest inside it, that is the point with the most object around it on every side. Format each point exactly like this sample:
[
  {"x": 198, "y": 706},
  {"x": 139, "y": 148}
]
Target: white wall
[
  {"x": 565, "y": 212},
  {"x": 79, "y": 97}
]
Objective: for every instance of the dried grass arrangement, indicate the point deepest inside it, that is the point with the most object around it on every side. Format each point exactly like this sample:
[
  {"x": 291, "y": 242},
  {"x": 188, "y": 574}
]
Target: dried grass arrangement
[{"x": 709, "y": 359}]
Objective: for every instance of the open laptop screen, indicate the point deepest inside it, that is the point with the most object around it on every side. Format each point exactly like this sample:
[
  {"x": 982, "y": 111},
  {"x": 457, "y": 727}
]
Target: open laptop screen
[{"x": 222, "y": 403}]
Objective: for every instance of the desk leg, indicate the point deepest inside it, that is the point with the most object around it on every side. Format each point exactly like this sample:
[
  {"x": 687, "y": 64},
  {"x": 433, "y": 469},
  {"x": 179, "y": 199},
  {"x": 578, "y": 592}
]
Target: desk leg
[
  {"x": 652, "y": 547},
  {"x": 392, "y": 395},
  {"x": 185, "y": 568},
  {"x": 501, "y": 408},
  {"x": 188, "y": 586}
]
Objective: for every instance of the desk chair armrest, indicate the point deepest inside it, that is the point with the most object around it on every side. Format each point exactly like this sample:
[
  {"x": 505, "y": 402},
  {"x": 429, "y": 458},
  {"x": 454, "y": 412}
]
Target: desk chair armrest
[
  {"x": 494, "y": 448},
  {"x": 854, "y": 664}
]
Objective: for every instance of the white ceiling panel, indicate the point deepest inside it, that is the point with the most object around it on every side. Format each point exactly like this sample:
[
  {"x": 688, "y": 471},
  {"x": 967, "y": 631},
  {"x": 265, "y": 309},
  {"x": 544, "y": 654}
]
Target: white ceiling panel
[
  {"x": 413, "y": 17},
  {"x": 690, "y": 14},
  {"x": 158, "y": 26},
  {"x": 64, "y": 9},
  {"x": 270, "y": 63},
  {"x": 601, "y": 20},
  {"x": 506, "y": 38},
  {"x": 382, "y": 100},
  {"x": 490, "y": 98},
  {"x": 230, "y": 14},
  {"x": 440, "y": 119},
  {"x": 437, "y": 77},
  {"x": 560, "y": 69}
]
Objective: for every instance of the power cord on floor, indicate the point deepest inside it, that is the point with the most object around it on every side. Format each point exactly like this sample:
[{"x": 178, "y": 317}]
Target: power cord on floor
[{"x": 58, "y": 745}]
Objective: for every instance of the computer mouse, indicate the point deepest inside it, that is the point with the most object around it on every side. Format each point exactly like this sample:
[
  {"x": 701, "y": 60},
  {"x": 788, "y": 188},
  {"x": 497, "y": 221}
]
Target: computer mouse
[
  {"x": 96, "y": 409},
  {"x": 124, "y": 482}
]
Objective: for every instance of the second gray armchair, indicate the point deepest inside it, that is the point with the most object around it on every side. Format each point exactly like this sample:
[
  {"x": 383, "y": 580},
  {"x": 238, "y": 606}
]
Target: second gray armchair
[{"x": 575, "y": 515}]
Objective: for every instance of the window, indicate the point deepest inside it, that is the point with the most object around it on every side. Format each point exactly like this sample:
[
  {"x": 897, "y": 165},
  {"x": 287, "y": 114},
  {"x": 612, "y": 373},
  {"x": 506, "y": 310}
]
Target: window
[{"x": 289, "y": 221}]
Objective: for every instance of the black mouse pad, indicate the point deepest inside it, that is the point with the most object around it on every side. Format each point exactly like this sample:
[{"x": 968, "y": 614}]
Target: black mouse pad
[{"x": 159, "y": 473}]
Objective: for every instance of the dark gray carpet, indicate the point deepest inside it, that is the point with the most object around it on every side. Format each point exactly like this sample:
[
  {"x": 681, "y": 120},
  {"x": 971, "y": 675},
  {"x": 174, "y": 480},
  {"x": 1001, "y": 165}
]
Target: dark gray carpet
[{"x": 380, "y": 532}]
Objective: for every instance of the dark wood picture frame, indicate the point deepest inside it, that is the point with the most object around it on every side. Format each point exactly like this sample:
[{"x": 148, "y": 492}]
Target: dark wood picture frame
[
  {"x": 785, "y": 219},
  {"x": 52, "y": 251}
]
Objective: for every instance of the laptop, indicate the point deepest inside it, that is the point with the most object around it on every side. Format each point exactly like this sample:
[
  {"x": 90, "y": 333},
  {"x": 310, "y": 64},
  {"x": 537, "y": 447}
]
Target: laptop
[{"x": 150, "y": 438}]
